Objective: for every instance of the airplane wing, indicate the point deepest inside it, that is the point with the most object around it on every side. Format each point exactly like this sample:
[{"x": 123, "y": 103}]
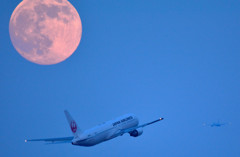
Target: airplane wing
[
  {"x": 140, "y": 126},
  {"x": 54, "y": 140}
]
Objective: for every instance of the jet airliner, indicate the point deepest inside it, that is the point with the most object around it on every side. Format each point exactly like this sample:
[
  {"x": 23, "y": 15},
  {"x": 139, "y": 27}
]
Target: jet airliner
[
  {"x": 128, "y": 123},
  {"x": 216, "y": 124}
]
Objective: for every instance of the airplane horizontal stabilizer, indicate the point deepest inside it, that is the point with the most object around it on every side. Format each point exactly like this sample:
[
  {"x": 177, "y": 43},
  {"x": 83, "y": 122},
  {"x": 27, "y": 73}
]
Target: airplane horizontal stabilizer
[{"x": 54, "y": 140}]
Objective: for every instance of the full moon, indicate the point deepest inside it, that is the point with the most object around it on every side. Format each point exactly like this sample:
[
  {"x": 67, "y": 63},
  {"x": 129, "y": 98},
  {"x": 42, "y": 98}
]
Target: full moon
[{"x": 45, "y": 31}]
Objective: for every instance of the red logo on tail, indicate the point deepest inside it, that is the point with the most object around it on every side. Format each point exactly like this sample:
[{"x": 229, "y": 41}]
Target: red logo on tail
[{"x": 73, "y": 126}]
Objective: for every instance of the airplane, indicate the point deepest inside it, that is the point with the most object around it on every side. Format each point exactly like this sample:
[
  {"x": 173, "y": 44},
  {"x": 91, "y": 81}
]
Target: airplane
[
  {"x": 216, "y": 124},
  {"x": 106, "y": 131}
]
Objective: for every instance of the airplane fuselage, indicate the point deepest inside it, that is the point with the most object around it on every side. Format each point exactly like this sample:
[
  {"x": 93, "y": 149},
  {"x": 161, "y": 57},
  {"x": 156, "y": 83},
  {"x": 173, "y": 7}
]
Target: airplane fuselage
[{"x": 106, "y": 131}]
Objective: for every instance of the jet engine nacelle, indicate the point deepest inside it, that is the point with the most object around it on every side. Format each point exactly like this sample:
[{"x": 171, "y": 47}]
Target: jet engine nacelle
[{"x": 137, "y": 132}]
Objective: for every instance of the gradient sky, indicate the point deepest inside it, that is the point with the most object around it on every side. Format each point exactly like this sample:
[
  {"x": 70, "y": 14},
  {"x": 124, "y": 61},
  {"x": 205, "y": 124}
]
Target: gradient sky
[{"x": 174, "y": 59}]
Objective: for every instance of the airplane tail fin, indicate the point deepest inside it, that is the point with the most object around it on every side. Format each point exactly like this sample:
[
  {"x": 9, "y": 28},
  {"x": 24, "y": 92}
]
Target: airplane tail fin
[{"x": 73, "y": 125}]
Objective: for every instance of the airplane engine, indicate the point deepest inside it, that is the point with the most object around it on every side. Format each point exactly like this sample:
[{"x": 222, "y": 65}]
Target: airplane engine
[{"x": 137, "y": 132}]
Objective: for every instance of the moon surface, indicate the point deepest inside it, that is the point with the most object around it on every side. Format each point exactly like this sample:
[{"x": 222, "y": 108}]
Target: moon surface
[{"x": 45, "y": 31}]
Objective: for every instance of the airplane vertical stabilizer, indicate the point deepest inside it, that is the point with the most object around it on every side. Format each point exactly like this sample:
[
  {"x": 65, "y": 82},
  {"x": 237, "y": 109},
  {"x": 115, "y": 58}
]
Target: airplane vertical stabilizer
[{"x": 73, "y": 125}]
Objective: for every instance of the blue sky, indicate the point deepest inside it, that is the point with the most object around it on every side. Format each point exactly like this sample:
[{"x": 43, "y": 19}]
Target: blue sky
[{"x": 173, "y": 59}]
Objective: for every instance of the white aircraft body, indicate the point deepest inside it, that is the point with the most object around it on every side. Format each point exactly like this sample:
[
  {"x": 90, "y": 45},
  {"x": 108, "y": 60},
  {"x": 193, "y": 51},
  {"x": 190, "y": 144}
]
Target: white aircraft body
[{"x": 125, "y": 124}]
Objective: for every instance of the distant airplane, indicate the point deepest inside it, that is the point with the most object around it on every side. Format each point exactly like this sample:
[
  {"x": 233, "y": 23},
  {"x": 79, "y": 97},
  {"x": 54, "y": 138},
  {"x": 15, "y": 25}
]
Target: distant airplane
[
  {"x": 216, "y": 124},
  {"x": 106, "y": 131}
]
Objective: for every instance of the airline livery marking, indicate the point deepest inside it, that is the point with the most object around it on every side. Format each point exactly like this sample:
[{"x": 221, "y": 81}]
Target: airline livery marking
[
  {"x": 123, "y": 120},
  {"x": 73, "y": 126}
]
